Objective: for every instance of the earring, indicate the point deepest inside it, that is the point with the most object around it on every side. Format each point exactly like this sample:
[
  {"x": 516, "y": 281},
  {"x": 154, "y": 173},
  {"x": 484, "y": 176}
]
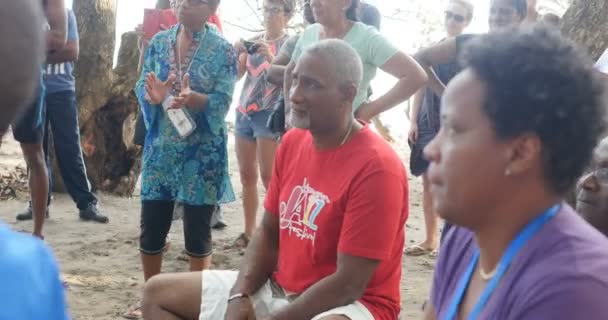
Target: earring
[{"x": 507, "y": 172}]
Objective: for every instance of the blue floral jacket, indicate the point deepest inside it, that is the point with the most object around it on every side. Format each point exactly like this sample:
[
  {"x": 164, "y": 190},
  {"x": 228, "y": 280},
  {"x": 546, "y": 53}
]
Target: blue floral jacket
[{"x": 191, "y": 170}]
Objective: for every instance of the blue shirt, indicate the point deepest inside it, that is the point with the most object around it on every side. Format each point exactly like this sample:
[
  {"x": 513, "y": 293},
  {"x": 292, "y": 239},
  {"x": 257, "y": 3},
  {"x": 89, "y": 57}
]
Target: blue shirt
[
  {"x": 30, "y": 285},
  {"x": 59, "y": 77},
  {"x": 192, "y": 170}
]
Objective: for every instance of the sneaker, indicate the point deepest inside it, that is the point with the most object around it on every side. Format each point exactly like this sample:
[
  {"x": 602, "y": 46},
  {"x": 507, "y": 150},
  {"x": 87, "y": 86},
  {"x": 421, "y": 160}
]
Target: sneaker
[
  {"x": 91, "y": 213},
  {"x": 28, "y": 214}
]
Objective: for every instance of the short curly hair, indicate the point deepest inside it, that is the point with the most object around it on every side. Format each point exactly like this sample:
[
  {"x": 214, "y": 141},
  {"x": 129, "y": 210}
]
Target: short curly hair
[
  {"x": 538, "y": 82},
  {"x": 352, "y": 13}
]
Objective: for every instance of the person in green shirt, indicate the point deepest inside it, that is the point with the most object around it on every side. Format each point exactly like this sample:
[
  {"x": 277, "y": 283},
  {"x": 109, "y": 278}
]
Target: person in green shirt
[{"x": 338, "y": 19}]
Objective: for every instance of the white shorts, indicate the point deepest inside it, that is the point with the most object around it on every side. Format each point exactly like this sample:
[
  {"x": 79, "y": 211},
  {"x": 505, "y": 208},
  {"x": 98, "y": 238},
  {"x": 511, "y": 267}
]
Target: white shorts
[{"x": 216, "y": 286}]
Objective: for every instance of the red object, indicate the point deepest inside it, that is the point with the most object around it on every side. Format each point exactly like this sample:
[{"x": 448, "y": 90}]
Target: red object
[
  {"x": 156, "y": 20},
  {"x": 351, "y": 200},
  {"x": 215, "y": 19}
]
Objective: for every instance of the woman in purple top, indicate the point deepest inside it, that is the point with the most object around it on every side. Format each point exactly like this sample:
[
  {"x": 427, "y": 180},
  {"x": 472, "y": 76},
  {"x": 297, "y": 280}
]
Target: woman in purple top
[{"x": 519, "y": 125}]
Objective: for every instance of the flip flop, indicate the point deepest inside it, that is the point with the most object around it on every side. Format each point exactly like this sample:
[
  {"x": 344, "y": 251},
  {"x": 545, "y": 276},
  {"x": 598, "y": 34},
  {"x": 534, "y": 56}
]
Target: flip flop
[
  {"x": 416, "y": 251},
  {"x": 134, "y": 312}
]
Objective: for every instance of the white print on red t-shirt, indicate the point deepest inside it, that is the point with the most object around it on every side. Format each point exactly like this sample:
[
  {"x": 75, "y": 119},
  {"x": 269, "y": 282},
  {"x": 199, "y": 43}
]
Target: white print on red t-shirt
[{"x": 303, "y": 207}]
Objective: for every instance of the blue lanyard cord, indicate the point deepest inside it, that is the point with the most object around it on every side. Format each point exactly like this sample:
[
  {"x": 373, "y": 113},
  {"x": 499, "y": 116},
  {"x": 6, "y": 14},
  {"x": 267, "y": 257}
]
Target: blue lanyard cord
[{"x": 514, "y": 248}]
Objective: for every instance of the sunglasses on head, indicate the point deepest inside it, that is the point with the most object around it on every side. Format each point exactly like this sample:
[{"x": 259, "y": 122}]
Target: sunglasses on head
[{"x": 457, "y": 17}]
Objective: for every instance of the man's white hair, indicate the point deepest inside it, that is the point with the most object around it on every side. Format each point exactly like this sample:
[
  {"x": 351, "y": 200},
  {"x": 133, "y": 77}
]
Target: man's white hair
[
  {"x": 343, "y": 61},
  {"x": 21, "y": 55}
]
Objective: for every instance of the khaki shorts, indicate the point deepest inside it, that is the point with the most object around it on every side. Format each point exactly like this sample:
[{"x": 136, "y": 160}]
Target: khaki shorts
[{"x": 216, "y": 286}]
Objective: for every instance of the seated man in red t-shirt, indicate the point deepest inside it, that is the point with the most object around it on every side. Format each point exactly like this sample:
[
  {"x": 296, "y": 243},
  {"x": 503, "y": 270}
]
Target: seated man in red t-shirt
[{"x": 330, "y": 243}]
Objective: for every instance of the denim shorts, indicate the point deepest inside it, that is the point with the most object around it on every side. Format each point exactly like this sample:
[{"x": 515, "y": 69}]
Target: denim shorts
[
  {"x": 253, "y": 126},
  {"x": 29, "y": 129}
]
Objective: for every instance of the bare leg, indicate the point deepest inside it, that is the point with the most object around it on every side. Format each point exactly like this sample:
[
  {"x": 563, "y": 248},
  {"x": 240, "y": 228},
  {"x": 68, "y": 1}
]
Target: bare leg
[
  {"x": 200, "y": 264},
  {"x": 152, "y": 264},
  {"x": 38, "y": 183},
  {"x": 431, "y": 219},
  {"x": 246, "y": 155},
  {"x": 266, "y": 151},
  {"x": 173, "y": 296}
]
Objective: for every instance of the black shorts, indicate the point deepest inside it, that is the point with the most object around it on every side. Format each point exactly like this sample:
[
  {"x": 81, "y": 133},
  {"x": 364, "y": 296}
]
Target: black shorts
[
  {"x": 156, "y": 218},
  {"x": 29, "y": 128}
]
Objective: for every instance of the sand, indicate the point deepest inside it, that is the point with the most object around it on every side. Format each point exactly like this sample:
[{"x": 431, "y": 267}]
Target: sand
[{"x": 100, "y": 263}]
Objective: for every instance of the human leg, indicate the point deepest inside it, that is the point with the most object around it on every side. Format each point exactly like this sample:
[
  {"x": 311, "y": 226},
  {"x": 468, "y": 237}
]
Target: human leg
[
  {"x": 63, "y": 116},
  {"x": 155, "y": 224},
  {"x": 246, "y": 153},
  {"x": 29, "y": 131},
  {"x": 197, "y": 234},
  {"x": 266, "y": 151},
  {"x": 173, "y": 296}
]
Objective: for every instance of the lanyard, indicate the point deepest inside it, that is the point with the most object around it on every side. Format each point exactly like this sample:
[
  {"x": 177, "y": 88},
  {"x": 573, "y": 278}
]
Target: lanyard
[{"x": 516, "y": 245}]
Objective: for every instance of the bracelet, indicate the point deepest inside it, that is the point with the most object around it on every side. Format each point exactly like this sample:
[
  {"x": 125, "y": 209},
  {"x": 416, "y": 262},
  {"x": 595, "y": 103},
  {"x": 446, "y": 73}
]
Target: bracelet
[{"x": 237, "y": 296}]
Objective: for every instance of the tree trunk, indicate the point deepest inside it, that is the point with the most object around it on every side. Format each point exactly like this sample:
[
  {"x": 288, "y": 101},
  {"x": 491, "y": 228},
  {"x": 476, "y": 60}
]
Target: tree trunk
[
  {"x": 107, "y": 104},
  {"x": 586, "y": 22}
]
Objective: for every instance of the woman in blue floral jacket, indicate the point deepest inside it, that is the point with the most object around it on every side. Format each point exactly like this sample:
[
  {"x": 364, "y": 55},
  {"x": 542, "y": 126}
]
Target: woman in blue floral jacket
[{"x": 191, "y": 68}]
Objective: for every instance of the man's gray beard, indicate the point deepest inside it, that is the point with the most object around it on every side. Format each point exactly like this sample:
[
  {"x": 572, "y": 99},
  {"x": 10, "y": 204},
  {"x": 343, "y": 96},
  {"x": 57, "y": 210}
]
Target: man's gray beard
[{"x": 300, "y": 124}]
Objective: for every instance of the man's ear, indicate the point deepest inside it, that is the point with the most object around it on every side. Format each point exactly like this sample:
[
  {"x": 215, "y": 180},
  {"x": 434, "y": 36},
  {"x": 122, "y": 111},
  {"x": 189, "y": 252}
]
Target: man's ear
[{"x": 349, "y": 92}]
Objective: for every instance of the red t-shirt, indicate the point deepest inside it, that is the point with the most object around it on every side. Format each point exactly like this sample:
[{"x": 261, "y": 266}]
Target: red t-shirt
[{"x": 351, "y": 200}]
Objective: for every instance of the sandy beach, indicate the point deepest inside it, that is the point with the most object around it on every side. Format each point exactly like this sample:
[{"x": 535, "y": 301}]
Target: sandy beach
[{"x": 100, "y": 263}]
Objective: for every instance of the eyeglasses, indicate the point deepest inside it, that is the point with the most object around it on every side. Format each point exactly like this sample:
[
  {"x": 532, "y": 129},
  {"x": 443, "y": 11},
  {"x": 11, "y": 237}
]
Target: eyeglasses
[
  {"x": 273, "y": 11},
  {"x": 457, "y": 17},
  {"x": 600, "y": 173}
]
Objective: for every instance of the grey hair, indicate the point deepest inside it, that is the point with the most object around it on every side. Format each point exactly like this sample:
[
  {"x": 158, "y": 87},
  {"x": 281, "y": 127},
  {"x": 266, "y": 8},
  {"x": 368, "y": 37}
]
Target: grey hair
[
  {"x": 344, "y": 62},
  {"x": 21, "y": 55}
]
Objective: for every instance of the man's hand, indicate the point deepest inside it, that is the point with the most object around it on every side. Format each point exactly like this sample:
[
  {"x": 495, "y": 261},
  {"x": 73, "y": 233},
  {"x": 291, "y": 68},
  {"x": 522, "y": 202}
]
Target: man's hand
[
  {"x": 240, "y": 309},
  {"x": 412, "y": 135},
  {"x": 156, "y": 90}
]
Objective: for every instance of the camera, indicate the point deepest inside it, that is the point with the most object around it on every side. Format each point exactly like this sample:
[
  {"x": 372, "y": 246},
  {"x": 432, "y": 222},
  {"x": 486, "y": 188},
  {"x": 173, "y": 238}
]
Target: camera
[{"x": 251, "y": 47}]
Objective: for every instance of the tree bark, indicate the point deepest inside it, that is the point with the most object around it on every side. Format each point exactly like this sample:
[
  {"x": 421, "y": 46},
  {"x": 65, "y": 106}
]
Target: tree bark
[
  {"x": 586, "y": 22},
  {"x": 107, "y": 104}
]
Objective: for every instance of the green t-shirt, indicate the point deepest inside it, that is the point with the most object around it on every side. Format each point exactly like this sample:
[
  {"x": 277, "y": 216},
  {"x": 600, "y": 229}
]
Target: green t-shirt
[{"x": 373, "y": 48}]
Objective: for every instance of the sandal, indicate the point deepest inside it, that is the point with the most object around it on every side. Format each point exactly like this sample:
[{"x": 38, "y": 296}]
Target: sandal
[
  {"x": 417, "y": 251},
  {"x": 239, "y": 243},
  {"x": 134, "y": 312}
]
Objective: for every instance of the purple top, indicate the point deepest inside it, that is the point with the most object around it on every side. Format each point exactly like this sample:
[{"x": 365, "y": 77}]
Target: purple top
[{"x": 561, "y": 273}]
